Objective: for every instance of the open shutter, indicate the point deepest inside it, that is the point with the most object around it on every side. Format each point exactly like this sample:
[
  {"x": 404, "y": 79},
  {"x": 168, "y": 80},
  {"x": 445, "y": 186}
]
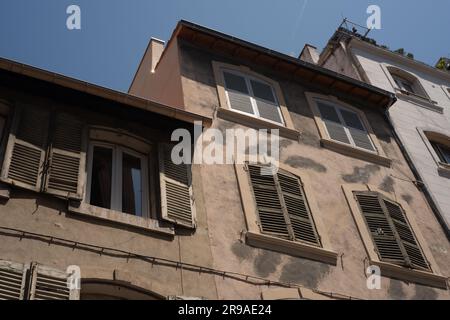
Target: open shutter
[
  {"x": 335, "y": 128},
  {"x": 67, "y": 158},
  {"x": 298, "y": 210},
  {"x": 383, "y": 234},
  {"x": 177, "y": 201},
  {"x": 357, "y": 130},
  {"x": 271, "y": 216},
  {"x": 50, "y": 284},
  {"x": 12, "y": 280},
  {"x": 238, "y": 93},
  {"x": 415, "y": 255},
  {"x": 25, "y": 153}
]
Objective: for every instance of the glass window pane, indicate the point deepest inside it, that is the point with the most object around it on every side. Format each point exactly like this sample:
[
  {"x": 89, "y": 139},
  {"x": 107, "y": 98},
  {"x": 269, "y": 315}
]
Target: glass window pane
[
  {"x": 101, "y": 177},
  {"x": 262, "y": 91},
  {"x": 352, "y": 120},
  {"x": 328, "y": 112},
  {"x": 131, "y": 185},
  {"x": 234, "y": 82}
]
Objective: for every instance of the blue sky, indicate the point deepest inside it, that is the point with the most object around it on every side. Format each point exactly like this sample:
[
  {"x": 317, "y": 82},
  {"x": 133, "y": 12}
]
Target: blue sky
[{"x": 115, "y": 33}]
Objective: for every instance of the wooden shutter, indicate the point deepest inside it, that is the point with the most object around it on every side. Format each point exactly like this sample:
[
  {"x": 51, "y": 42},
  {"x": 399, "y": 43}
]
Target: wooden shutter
[
  {"x": 332, "y": 122},
  {"x": 415, "y": 256},
  {"x": 238, "y": 93},
  {"x": 25, "y": 154},
  {"x": 177, "y": 201},
  {"x": 12, "y": 280},
  {"x": 271, "y": 216},
  {"x": 298, "y": 210},
  {"x": 67, "y": 158},
  {"x": 357, "y": 130},
  {"x": 50, "y": 284}
]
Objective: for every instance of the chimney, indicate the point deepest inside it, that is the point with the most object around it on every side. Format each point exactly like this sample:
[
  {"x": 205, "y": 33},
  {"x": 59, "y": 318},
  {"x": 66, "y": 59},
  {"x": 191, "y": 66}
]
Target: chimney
[
  {"x": 156, "y": 48},
  {"x": 309, "y": 54}
]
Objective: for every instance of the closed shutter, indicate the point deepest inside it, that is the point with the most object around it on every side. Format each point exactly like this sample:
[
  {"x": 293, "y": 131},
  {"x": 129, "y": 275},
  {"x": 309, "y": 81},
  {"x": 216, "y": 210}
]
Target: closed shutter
[
  {"x": 271, "y": 216},
  {"x": 12, "y": 280},
  {"x": 67, "y": 157},
  {"x": 391, "y": 232},
  {"x": 357, "y": 130},
  {"x": 330, "y": 117},
  {"x": 282, "y": 206},
  {"x": 266, "y": 102},
  {"x": 177, "y": 201},
  {"x": 50, "y": 284},
  {"x": 25, "y": 153},
  {"x": 298, "y": 209},
  {"x": 238, "y": 93}
]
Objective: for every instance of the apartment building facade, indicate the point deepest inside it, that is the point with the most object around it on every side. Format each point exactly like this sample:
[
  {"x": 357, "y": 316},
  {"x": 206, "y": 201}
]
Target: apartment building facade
[
  {"x": 421, "y": 116},
  {"x": 314, "y": 224}
]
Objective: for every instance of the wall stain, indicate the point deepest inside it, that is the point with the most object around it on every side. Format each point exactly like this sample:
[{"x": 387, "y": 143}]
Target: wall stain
[
  {"x": 310, "y": 139},
  {"x": 408, "y": 198},
  {"x": 241, "y": 250},
  {"x": 284, "y": 143},
  {"x": 305, "y": 163},
  {"x": 396, "y": 291},
  {"x": 305, "y": 272},
  {"x": 361, "y": 174},
  {"x": 425, "y": 293},
  {"x": 387, "y": 184},
  {"x": 266, "y": 263}
]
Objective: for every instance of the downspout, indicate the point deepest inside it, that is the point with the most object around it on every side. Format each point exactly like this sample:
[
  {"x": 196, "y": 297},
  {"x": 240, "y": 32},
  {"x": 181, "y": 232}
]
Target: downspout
[{"x": 420, "y": 184}]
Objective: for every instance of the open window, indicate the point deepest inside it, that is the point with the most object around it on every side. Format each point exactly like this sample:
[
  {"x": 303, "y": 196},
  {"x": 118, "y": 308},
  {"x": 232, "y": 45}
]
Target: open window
[
  {"x": 407, "y": 83},
  {"x": 438, "y": 144}
]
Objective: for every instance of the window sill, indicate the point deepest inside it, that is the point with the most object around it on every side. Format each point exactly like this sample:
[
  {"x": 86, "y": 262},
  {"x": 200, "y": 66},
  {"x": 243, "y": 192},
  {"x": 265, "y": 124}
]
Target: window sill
[
  {"x": 230, "y": 115},
  {"x": 423, "y": 101},
  {"x": 357, "y": 153},
  {"x": 120, "y": 218},
  {"x": 408, "y": 275},
  {"x": 292, "y": 248}
]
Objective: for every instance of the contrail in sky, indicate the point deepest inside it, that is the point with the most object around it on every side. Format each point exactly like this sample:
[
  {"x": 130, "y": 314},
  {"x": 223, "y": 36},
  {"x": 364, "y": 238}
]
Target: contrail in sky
[{"x": 299, "y": 20}]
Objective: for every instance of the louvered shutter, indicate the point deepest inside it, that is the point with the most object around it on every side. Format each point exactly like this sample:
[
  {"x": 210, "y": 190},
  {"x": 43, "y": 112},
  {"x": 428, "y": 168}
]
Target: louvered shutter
[
  {"x": 298, "y": 210},
  {"x": 414, "y": 253},
  {"x": 12, "y": 280},
  {"x": 50, "y": 284},
  {"x": 266, "y": 102},
  {"x": 238, "y": 93},
  {"x": 271, "y": 216},
  {"x": 25, "y": 153},
  {"x": 387, "y": 245},
  {"x": 357, "y": 130},
  {"x": 177, "y": 201},
  {"x": 67, "y": 157},
  {"x": 335, "y": 128}
]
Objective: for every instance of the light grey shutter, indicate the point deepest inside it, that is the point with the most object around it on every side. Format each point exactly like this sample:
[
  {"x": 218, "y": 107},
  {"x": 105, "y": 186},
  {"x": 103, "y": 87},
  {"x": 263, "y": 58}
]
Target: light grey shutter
[
  {"x": 12, "y": 280},
  {"x": 177, "y": 201},
  {"x": 271, "y": 216},
  {"x": 67, "y": 159},
  {"x": 25, "y": 153},
  {"x": 415, "y": 256},
  {"x": 357, "y": 130},
  {"x": 50, "y": 284},
  {"x": 383, "y": 234},
  {"x": 298, "y": 210},
  {"x": 238, "y": 93},
  {"x": 335, "y": 128},
  {"x": 266, "y": 102}
]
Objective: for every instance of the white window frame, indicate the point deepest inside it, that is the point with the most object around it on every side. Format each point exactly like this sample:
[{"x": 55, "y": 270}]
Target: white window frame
[
  {"x": 117, "y": 176},
  {"x": 338, "y": 109},
  {"x": 252, "y": 97}
]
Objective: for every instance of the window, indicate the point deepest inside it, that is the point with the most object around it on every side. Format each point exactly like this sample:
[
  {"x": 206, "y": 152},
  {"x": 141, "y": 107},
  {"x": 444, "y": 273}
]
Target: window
[
  {"x": 442, "y": 151},
  {"x": 282, "y": 206},
  {"x": 403, "y": 84},
  {"x": 118, "y": 179},
  {"x": 251, "y": 96},
  {"x": 344, "y": 125},
  {"x": 390, "y": 231}
]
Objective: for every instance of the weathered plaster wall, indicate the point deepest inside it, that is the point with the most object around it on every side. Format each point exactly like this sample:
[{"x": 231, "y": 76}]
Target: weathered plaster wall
[{"x": 327, "y": 170}]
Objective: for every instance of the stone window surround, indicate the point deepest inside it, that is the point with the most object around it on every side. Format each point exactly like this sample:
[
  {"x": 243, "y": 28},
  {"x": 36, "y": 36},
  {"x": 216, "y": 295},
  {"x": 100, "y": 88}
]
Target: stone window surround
[
  {"x": 418, "y": 99},
  {"x": 441, "y": 136},
  {"x": 150, "y": 222},
  {"x": 226, "y": 113},
  {"x": 255, "y": 238},
  {"x": 433, "y": 278},
  {"x": 378, "y": 157}
]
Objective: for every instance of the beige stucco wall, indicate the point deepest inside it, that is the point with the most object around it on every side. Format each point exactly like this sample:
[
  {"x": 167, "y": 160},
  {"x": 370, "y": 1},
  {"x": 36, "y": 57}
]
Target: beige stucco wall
[{"x": 328, "y": 171}]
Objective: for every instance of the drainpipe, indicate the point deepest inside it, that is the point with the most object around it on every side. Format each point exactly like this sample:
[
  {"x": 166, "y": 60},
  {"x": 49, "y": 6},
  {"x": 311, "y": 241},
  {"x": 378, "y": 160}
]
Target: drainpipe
[{"x": 420, "y": 184}]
